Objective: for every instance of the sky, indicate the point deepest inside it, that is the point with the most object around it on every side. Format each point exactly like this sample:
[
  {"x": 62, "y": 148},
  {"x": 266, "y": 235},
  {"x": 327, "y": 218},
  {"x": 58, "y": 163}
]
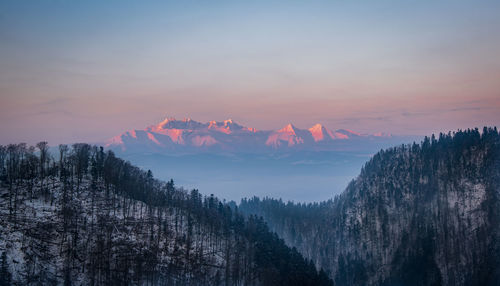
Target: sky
[{"x": 88, "y": 70}]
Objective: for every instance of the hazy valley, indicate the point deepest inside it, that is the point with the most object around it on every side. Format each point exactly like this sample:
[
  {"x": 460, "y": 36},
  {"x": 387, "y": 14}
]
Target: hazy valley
[{"x": 233, "y": 161}]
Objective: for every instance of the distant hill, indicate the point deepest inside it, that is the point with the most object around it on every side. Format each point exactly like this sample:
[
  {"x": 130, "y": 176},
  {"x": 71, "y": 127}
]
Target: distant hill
[{"x": 419, "y": 214}]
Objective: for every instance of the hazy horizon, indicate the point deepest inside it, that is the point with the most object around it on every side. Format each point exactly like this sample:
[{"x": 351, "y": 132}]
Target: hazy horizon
[{"x": 66, "y": 139}]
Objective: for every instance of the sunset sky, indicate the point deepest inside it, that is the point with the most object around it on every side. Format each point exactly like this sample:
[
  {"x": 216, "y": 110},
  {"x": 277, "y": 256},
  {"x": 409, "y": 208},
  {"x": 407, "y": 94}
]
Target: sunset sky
[{"x": 88, "y": 70}]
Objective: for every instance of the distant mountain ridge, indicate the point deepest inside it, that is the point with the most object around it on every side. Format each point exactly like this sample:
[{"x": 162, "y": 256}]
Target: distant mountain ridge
[
  {"x": 222, "y": 156},
  {"x": 190, "y": 135}
]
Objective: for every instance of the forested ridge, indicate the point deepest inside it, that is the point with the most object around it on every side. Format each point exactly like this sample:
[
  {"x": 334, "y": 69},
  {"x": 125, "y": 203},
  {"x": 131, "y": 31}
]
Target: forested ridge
[
  {"x": 85, "y": 217},
  {"x": 418, "y": 214}
]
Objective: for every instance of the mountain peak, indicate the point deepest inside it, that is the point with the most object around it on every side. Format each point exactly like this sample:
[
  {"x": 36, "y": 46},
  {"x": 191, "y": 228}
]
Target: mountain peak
[
  {"x": 166, "y": 120},
  {"x": 227, "y": 126},
  {"x": 317, "y": 126},
  {"x": 318, "y": 132},
  {"x": 286, "y": 134},
  {"x": 172, "y": 123},
  {"x": 289, "y": 128},
  {"x": 171, "y": 120},
  {"x": 229, "y": 123}
]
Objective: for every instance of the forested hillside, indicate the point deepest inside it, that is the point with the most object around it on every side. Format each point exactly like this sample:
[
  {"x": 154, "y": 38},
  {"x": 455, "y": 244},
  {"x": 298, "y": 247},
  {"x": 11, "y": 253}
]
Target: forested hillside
[
  {"x": 87, "y": 217},
  {"x": 420, "y": 214}
]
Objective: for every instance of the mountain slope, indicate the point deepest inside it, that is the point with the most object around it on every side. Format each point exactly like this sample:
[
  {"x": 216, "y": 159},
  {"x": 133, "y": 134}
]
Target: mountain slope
[
  {"x": 91, "y": 218},
  {"x": 424, "y": 214}
]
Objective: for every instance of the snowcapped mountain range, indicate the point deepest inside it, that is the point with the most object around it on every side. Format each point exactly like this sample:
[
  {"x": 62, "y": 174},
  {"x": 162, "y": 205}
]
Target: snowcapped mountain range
[{"x": 189, "y": 135}]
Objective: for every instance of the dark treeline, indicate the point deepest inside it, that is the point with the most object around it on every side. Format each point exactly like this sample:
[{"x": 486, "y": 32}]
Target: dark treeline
[
  {"x": 418, "y": 214},
  {"x": 84, "y": 216}
]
